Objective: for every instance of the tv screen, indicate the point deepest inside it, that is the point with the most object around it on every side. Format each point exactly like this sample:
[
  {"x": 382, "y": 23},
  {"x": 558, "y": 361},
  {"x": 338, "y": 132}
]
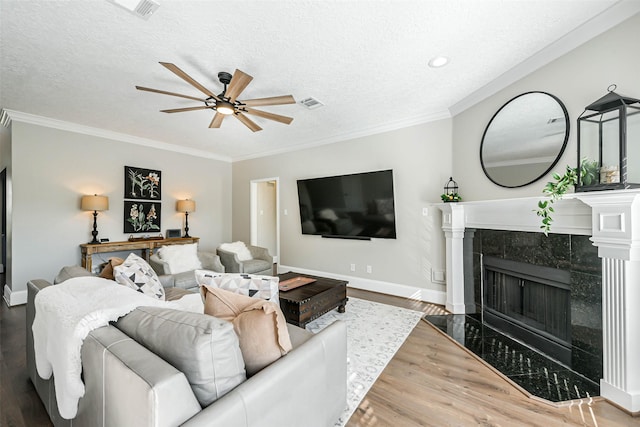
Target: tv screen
[{"x": 356, "y": 206}]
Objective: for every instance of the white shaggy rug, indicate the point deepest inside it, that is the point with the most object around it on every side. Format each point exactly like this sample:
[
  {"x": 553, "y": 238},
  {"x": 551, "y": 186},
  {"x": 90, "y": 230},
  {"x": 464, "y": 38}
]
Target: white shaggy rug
[{"x": 375, "y": 332}]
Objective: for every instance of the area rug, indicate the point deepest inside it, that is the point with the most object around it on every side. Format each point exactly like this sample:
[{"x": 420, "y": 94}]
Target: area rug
[{"x": 375, "y": 332}]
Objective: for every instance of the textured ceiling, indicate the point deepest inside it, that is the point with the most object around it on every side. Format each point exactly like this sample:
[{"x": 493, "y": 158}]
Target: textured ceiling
[{"x": 78, "y": 61}]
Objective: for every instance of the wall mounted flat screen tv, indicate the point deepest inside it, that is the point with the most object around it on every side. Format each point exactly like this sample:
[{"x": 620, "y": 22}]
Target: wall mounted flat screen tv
[{"x": 356, "y": 206}]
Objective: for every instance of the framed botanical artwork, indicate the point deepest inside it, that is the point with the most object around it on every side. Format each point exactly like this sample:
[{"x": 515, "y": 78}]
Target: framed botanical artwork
[
  {"x": 140, "y": 183},
  {"x": 141, "y": 216}
]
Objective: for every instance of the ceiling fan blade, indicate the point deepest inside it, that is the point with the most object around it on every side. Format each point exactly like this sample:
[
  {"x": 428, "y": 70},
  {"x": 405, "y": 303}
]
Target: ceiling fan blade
[
  {"x": 239, "y": 82},
  {"x": 164, "y": 92},
  {"x": 184, "y": 76},
  {"x": 180, "y": 110},
  {"x": 277, "y": 117},
  {"x": 274, "y": 100},
  {"x": 217, "y": 120},
  {"x": 248, "y": 122}
]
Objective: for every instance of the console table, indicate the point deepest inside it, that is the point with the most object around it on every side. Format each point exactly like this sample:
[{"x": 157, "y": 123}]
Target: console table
[{"x": 145, "y": 247}]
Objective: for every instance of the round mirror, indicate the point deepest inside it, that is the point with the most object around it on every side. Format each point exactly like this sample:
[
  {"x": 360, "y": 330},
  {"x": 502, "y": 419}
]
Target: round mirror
[{"x": 524, "y": 139}]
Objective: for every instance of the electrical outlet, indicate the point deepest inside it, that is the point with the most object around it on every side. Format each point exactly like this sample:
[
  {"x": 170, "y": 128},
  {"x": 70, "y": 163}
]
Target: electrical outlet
[
  {"x": 353, "y": 267},
  {"x": 369, "y": 269}
]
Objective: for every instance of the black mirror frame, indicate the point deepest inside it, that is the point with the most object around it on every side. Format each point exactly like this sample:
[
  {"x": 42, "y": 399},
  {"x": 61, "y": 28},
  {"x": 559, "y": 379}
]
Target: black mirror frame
[{"x": 558, "y": 156}]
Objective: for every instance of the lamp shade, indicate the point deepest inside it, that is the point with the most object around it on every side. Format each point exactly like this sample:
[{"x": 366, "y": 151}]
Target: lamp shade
[
  {"x": 94, "y": 203},
  {"x": 186, "y": 205}
]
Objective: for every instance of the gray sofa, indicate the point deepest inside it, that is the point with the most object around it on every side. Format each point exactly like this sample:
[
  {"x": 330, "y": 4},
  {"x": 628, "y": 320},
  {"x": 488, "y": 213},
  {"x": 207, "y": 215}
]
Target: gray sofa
[{"x": 129, "y": 385}]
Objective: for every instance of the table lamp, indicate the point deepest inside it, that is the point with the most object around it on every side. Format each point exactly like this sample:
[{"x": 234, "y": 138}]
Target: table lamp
[
  {"x": 186, "y": 206},
  {"x": 95, "y": 203}
]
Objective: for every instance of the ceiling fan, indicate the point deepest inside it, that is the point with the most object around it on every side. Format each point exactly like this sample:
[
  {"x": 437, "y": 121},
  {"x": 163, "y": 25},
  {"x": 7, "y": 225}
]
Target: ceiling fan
[{"x": 227, "y": 102}]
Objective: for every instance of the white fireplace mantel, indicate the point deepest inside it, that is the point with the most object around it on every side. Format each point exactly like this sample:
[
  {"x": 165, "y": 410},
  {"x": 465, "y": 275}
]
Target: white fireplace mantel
[{"x": 612, "y": 219}]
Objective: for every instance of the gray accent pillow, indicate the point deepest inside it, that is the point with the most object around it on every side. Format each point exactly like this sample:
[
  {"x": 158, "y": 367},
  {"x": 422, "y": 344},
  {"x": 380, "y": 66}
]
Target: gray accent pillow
[
  {"x": 69, "y": 272},
  {"x": 204, "y": 348}
]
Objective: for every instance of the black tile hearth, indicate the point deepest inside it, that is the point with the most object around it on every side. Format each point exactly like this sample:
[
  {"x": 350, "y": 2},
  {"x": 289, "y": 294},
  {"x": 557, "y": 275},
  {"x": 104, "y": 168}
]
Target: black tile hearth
[{"x": 535, "y": 372}]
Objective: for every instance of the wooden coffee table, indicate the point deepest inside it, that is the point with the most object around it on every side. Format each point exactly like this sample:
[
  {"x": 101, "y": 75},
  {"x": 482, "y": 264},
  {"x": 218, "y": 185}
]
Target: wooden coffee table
[{"x": 306, "y": 303}]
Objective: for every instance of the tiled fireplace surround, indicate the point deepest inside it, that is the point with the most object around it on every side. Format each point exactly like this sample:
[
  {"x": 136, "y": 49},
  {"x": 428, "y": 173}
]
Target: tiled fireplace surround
[{"x": 591, "y": 228}]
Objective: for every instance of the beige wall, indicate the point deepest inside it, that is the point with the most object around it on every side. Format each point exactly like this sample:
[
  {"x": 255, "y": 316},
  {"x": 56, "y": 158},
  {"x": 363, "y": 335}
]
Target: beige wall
[
  {"x": 53, "y": 168},
  {"x": 577, "y": 78},
  {"x": 421, "y": 161}
]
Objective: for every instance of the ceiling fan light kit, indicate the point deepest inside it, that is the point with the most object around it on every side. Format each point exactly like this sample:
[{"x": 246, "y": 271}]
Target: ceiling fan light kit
[{"x": 226, "y": 103}]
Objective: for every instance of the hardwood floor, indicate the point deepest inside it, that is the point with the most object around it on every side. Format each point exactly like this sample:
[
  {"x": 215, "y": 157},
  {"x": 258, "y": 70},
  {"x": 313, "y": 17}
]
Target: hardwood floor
[
  {"x": 433, "y": 382},
  {"x": 430, "y": 382}
]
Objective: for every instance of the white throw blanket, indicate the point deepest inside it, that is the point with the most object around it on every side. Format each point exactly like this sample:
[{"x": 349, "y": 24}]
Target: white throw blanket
[{"x": 66, "y": 313}]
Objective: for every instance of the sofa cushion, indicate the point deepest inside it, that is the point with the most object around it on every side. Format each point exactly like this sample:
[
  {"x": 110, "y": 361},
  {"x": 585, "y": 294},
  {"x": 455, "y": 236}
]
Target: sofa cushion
[
  {"x": 172, "y": 294},
  {"x": 256, "y": 286},
  {"x": 239, "y": 248},
  {"x": 204, "y": 348},
  {"x": 139, "y": 276},
  {"x": 107, "y": 271},
  {"x": 180, "y": 258},
  {"x": 260, "y": 325}
]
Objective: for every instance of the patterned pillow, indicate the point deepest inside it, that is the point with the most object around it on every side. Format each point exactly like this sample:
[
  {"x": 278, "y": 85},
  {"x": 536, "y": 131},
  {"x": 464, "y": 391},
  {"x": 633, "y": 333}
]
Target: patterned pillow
[
  {"x": 251, "y": 285},
  {"x": 138, "y": 275}
]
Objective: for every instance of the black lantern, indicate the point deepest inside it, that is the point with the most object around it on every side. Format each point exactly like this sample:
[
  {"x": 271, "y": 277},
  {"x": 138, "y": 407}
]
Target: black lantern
[
  {"x": 451, "y": 192},
  {"x": 609, "y": 143}
]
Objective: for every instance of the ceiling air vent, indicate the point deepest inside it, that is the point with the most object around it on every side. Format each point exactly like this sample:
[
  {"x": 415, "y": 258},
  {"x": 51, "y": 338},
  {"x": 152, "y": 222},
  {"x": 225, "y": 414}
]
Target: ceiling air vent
[
  {"x": 141, "y": 8},
  {"x": 311, "y": 103}
]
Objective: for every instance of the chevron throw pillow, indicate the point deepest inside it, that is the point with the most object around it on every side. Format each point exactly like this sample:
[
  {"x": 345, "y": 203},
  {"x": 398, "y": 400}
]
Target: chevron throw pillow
[{"x": 136, "y": 273}]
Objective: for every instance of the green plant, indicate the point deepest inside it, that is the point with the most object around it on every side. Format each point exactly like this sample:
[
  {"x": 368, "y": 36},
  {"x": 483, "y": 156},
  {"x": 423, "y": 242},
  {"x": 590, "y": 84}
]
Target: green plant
[
  {"x": 588, "y": 171},
  {"x": 454, "y": 197}
]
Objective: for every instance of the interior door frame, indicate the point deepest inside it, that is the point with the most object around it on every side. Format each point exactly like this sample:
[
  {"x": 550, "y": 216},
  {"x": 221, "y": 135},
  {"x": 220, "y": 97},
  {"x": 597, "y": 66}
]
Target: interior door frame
[{"x": 254, "y": 213}]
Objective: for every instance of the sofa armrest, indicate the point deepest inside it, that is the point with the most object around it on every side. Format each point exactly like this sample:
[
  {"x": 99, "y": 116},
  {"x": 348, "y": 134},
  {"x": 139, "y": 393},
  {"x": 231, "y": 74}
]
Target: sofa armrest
[
  {"x": 260, "y": 253},
  {"x": 128, "y": 385},
  {"x": 211, "y": 261},
  {"x": 230, "y": 261},
  {"x": 159, "y": 266},
  {"x": 309, "y": 383}
]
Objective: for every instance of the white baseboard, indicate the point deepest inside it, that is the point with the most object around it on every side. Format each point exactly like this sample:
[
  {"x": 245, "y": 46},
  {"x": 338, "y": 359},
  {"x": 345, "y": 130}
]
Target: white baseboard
[
  {"x": 14, "y": 298},
  {"x": 395, "y": 289}
]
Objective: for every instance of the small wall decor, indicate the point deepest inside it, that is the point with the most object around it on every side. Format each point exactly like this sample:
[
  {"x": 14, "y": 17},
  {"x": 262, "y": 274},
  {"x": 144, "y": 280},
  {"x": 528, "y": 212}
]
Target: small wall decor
[
  {"x": 141, "y": 216},
  {"x": 140, "y": 183}
]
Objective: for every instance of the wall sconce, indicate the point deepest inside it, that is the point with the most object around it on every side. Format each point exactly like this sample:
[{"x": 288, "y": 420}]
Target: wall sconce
[
  {"x": 609, "y": 143},
  {"x": 94, "y": 203},
  {"x": 186, "y": 206}
]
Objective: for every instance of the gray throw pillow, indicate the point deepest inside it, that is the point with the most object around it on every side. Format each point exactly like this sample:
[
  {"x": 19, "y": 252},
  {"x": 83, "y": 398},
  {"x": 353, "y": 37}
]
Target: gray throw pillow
[{"x": 204, "y": 348}]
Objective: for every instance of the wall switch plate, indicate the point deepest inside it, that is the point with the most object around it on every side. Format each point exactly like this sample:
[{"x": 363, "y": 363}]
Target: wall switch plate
[
  {"x": 369, "y": 269},
  {"x": 425, "y": 211},
  {"x": 353, "y": 267}
]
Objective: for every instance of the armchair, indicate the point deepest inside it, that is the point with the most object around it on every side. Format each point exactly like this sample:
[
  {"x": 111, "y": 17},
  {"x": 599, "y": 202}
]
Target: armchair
[
  {"x": 260, "y": 264},
  {"x": 187, "y": 279}
]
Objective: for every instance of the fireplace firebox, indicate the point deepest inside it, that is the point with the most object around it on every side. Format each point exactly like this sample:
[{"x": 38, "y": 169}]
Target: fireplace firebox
[{"x": 532, "y": 303}]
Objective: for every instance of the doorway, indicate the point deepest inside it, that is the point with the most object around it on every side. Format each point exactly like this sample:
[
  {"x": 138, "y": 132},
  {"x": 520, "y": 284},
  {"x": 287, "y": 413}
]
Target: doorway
[
  {"x": 3, "y": 248},
  {"x": 265, "y": 216}
]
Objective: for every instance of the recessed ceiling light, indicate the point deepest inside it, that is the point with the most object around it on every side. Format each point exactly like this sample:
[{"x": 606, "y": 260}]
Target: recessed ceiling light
[{"x": 438, "y": 61}]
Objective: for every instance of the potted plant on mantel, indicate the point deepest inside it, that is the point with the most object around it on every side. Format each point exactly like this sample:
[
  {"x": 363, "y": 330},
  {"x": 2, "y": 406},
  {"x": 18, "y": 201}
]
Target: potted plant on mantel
[{"x": 557, "y": 189}]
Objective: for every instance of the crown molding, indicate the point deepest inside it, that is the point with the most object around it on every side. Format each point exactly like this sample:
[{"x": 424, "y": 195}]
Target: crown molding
[
  {"x": 8, "y": 116},
  {"x": 387, "y": 127},
  {"x": 619, "y": 12}
]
